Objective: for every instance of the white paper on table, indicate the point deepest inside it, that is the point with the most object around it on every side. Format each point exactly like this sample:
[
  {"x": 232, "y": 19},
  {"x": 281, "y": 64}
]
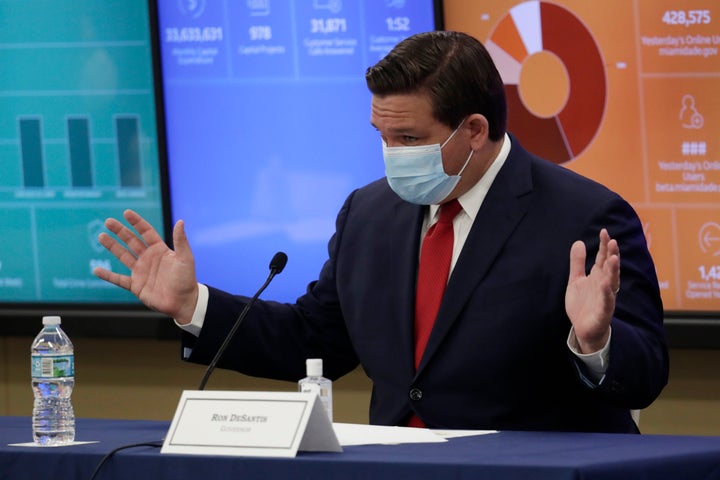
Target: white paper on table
[
  {"x": 462, "y": 433},
  {"x": 357, "y": 434},
  {"x": 33, "y": 444}
]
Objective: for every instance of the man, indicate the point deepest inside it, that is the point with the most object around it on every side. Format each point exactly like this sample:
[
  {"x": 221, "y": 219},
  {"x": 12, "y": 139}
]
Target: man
[{"x": 529, "y": 334}]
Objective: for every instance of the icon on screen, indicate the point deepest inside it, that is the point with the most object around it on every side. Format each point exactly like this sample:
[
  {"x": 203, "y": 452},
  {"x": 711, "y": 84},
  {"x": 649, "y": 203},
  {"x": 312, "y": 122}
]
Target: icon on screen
[
  {"x": 258, "y": 8},
  {"x": 334, "y": 6},
  {"x": 95, "y": 228},
  {"x": 709, "y": 238},
  {"x": 689, "y": 114},
  {"x": 192, "y": 8}
]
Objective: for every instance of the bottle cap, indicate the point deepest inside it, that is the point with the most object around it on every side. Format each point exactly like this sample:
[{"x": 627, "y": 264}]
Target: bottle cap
[
  {"x": 51, "y": 320},
  {"x": 314, "y": 367}
]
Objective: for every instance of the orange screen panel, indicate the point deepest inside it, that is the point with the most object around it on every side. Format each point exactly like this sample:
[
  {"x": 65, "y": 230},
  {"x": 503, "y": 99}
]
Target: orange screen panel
[{"x": 641, "y": 114}]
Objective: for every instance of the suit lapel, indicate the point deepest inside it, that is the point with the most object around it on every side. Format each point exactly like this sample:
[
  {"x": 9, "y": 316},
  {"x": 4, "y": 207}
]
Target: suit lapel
[
  {"x": 504, "y": 207},
  {"x": 402, "y": 275}
]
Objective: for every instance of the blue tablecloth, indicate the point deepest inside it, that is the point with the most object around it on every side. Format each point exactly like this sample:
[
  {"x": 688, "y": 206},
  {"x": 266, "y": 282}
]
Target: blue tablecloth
[{"x": 504, "y": 455}]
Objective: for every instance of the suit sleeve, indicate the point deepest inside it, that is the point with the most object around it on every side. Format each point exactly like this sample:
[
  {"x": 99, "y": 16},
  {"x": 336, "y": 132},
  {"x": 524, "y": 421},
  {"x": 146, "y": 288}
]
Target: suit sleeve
[{"x": 638, "y": 361}]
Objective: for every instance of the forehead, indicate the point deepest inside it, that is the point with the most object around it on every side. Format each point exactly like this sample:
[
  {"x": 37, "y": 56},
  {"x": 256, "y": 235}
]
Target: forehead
[{"x": 401, "y": 112}]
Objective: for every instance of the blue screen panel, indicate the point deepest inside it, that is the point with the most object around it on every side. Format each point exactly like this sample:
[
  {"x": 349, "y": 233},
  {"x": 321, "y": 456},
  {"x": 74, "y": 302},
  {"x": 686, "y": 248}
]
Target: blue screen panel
[{"x": 268, "y": 126}]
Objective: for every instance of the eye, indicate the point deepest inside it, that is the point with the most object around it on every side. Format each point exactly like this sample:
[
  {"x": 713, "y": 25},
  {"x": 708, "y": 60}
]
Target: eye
[{"x": 409, "y": 139}]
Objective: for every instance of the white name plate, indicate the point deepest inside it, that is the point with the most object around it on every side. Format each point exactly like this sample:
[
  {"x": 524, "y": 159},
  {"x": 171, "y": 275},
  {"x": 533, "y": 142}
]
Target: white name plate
[{"x": 265, "y": 424}]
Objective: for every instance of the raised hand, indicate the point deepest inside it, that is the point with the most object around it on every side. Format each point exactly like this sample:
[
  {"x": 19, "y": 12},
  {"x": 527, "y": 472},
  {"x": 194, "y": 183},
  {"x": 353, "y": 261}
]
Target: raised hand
[
  {"x": 162, "y": 278},
  {"x": 590, "y": 299}
]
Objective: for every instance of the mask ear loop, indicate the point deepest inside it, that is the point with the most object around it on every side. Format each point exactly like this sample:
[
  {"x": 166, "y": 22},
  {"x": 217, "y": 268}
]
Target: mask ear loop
[
  {"x": 453, "y": 133},
  {"x": 471, "y": 151},
  {"x": 466, "y": 163}
]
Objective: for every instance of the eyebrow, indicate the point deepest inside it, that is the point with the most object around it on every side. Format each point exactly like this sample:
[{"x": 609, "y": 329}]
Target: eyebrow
[{"x": 398, "y": 131}]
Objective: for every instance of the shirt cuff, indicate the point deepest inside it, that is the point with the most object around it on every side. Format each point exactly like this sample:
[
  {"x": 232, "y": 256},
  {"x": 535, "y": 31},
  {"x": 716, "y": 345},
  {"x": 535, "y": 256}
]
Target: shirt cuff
[
  {"x": 596, "y": 363},
  {"x": 198, "y": 317}
]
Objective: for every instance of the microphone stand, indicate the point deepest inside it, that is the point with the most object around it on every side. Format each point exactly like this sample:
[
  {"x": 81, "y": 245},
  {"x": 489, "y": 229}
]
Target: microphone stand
[{"x": 277, "y": 264}]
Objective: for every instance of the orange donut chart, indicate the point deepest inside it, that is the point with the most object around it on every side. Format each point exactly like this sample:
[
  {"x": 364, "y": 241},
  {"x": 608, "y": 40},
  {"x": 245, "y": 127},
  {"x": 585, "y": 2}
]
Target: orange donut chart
[{"x": 538, "y": 28}]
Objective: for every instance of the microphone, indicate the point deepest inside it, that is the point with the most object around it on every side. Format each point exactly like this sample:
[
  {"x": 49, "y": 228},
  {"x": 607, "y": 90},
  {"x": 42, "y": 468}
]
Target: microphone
[{"x": 277, "y": 264}]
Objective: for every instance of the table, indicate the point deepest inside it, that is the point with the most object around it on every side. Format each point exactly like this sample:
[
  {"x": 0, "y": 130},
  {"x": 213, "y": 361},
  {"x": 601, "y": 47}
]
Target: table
[{"x": 500, "y": 456}]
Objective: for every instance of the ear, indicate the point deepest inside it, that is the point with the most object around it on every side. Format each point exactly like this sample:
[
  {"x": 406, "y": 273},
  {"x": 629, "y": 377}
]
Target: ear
[{"x": 479, "y": 130}]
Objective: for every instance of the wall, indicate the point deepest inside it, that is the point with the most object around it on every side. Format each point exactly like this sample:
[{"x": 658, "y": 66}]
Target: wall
[{"x": 143, "y": 379}]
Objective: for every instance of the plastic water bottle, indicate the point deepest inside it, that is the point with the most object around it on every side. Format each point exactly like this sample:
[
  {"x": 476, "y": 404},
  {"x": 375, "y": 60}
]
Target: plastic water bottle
[
  {"x": 316, "y": 383},
  {"x": 53, "y": 379}
]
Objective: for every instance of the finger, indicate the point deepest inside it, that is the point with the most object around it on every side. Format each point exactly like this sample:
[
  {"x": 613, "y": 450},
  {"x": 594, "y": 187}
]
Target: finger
[
  {"x": 577, "y": 260},
  {"x": 122, "y": 281},
  {"x": 114, "y": 226},
  {"x": 611, "y": 263},
  {"x": 130, "y": 238},
  {"x": 180, "y": 240},
  {"x": 125, "y": 256},
  {"x": 613, "y": 268},
  {"x": 603, "y": 248},
  {"x": 613, "y": 248},
  {"x": 143, "y": 227}
]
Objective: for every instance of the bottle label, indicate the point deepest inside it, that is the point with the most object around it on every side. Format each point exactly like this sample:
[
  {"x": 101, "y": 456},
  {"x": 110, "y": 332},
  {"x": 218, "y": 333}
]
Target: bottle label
[
  {"x": 315, "y": 388},
  {"x": 311, "y": 388},
  {"x": 55, "y": 366}
]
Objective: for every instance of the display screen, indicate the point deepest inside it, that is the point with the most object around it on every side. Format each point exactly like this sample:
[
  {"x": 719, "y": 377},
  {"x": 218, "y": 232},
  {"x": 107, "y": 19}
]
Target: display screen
[
  {"x": 624, "y": 92},
  {"x": 78, "y": 143},
  {"x": 268, "y": 126}
]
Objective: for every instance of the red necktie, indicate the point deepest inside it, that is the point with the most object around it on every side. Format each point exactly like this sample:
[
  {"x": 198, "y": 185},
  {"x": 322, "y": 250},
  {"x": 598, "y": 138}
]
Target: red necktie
[{"x": 435, "y": 259}]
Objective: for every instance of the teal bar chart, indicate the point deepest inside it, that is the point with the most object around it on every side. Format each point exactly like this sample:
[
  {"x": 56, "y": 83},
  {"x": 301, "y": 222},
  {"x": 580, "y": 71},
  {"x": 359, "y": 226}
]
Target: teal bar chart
[
  {"x": 78, "y": 143},
  {"x": 31, "y": 144},
  {"x": 80, "y": 152}
]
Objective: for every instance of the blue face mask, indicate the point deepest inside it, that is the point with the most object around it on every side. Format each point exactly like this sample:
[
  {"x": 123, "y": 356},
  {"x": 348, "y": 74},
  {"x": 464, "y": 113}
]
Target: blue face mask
[{"x": 416, "y": 173}]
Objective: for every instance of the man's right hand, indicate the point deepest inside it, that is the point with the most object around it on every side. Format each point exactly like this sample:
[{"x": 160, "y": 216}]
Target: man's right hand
[{"x": 163, "y": 279}]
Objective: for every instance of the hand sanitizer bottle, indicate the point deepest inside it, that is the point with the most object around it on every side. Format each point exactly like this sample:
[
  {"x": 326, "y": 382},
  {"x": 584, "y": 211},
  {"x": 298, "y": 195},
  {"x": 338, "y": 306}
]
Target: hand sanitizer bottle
[{"x": 316, "y": 383}]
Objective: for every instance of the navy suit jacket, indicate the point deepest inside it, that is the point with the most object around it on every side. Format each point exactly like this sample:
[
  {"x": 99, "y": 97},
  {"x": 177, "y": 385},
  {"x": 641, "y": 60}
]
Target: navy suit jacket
[{"x": 497, "y": 355}]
